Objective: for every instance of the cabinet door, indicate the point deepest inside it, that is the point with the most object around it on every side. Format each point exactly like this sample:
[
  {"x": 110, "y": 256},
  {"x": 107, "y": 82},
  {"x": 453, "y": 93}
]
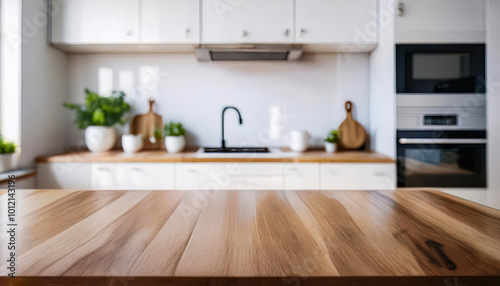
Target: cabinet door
[
  {"x": 171, "y": 21},
  {"x": 145, "y": 176},
  {"x": 301, "y": 176},
  {"x": 104, "y": 176},
  {"x": 336, "y": 21},
  {"x": 256, "y": 21},
  {"x": 229, "y": 176},
  {"x": 63, "y": 176},
  {"x": 358, "y": 176},
  {"x": 440, "y": 21},
  {"x": 95, "y": 21}
]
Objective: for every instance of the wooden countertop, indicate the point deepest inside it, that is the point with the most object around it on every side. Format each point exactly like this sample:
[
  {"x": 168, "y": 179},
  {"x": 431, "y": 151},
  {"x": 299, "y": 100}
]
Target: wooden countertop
[
  {"x": 332, "y": 237},
  {"x": 319, "y": 156}
]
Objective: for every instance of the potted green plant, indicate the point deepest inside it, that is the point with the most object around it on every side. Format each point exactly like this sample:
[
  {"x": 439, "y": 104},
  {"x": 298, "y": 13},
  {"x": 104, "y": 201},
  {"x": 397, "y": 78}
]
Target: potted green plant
[
  {"x": 174, "y": 137},
  {"x": 8, "y": 159},
  {"x": 97, "y": 116},
  {"x": 331, "y": 140}
]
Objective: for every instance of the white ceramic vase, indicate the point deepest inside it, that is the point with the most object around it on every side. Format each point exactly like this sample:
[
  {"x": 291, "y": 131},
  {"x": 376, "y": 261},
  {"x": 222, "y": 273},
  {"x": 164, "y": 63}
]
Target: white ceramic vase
[
  {"x": 8, "y": 162},
  {"x": 100, "y": 138},
  {"x": 330, "y": 147},
  {"x": 175, "y": 144},
  {"x": 132, "y": 143}
]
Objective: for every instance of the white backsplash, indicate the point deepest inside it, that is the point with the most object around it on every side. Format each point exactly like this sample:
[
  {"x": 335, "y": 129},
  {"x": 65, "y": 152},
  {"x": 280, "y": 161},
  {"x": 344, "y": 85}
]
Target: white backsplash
[{"x": 306, "y": 95}]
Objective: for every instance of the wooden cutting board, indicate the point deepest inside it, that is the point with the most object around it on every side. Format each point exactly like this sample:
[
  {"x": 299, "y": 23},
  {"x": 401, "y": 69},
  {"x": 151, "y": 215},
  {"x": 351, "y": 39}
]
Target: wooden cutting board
[
  {"x": 146, "y": 124},
  {"x": 352, "y": 134}
]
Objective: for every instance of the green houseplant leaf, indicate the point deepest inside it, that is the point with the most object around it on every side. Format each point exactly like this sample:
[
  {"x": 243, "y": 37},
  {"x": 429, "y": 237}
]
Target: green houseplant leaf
[
  {"x": 7, "y": 147},
  {"x": 333, "y": 136},
  {"x": 174, "y": 129},
  {"x": 100, "y": 110}
]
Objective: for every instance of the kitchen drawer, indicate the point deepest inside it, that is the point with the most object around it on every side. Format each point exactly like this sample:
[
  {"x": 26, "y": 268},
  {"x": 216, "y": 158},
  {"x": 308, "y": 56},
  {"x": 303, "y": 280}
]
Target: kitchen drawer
[
  {"x": 358, "y": 176},
  {"x": 229, "y": 176},
  {"x": 103, "y": 176},
  {"x": 301, "y": 176},
  {"x": 133, "y": 176},
  {"x": 146, "y": 176}
]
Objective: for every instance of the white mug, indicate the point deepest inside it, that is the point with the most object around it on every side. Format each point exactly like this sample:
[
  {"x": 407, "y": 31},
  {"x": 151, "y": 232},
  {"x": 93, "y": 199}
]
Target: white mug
[
  {"x": 132, "y": 143},
  {"x": 299, "y": 140}
]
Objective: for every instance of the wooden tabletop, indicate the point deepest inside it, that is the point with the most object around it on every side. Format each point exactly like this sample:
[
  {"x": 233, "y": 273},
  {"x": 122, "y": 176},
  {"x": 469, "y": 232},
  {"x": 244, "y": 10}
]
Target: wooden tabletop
[
  {"x": 319, "y": 156},
  {"x": 267, "y": 234}
]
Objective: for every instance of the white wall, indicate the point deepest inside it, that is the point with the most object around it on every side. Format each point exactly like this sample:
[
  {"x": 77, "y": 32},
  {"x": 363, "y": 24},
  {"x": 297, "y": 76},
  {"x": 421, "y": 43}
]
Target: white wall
[
  {"x": 382, "y": 84},
  {"x": 312, "y": 91},
  {"x": 493, "y": 99},
  {"x": 43, "y": 89}
]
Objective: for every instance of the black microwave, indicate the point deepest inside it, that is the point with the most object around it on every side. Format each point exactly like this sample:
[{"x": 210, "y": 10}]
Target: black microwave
[{"x": 441, "y": 68}]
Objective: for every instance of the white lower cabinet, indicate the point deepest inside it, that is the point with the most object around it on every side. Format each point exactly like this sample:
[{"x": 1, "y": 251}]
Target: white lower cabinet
[
  {"x": 229, "y": 176},
  {"x": 358, "y": 176},
  {"x": 63, "y": 176},
  {"x": 133, "y": 176},
  {"x": 217, "y": 176},
  {"x": 301, "y": 176}
]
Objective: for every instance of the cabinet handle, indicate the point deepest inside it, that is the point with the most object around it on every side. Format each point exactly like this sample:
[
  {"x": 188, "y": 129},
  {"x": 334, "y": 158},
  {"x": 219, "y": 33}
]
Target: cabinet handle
[
  {"x": 380, "y": 174},
  {"x": 103, "y": 169},
  {"x": 293, "y": 169},
  {"x": 287, "y": 32},
  {"x": 188, "y": 31},
  {"x": 136, "y": 169},
  {"x": 129, "y": 33},
  {"x": 302, "y": 31},
  {"x": 401, "y": 9},
  {"x": 245, "y": 33}
]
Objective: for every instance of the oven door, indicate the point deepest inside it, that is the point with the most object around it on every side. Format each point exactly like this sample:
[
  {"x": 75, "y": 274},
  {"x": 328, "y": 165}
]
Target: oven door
[
  {"x": 442, "y": 159},
  {"x": 451, "y": 68}
]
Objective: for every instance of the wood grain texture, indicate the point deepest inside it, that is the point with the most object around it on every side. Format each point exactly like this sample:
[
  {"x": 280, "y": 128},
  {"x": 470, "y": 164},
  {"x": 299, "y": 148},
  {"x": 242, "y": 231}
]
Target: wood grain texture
[
  {"x": 352, "y": 134},
  {"x": 331, "y": 237},
  {"x": 146, "y": 124},
  {"x": 318, "y": 156}
]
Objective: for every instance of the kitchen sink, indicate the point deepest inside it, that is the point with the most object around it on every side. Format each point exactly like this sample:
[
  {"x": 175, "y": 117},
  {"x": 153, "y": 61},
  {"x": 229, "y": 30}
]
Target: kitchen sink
[{"x": 236, "y": 150}]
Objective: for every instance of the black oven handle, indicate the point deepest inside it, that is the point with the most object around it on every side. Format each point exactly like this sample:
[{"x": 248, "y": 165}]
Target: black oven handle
[{"x": 405, "y": 141}]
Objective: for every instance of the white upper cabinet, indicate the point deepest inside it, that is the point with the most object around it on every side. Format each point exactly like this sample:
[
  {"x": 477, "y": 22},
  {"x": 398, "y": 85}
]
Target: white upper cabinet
[
  {"x": 336, "y": 21},
  {"x": 171, "y": 21},
  {"x": 433, "y": 21},
  {"x": 95, "y": 21},
  {"x": 253, "y": 21},
  {"x": 323, "y": 23}
]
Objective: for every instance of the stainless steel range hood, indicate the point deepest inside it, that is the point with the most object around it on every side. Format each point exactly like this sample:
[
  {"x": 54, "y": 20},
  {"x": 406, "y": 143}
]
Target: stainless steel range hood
[{"x": 248, "y": 52}]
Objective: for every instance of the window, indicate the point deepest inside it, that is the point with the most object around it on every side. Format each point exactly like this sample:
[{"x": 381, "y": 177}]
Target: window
[{"x": 10, "y": 69}]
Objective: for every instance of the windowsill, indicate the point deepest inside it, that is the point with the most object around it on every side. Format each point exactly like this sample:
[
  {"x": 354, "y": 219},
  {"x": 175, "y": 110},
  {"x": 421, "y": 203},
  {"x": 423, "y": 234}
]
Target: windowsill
[{"x": 19, "y": 173}]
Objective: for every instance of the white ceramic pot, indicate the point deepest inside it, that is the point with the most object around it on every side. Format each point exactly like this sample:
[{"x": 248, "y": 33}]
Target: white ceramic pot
[
  {"x": 299, "y": 140},
  {"x": 175, "y": 144},
  {"x": 8, "y": 162},
  {"x": 330, "y": 147},
  {"x": 100, "y": 138},
  {"x": 132, "y": 143}
]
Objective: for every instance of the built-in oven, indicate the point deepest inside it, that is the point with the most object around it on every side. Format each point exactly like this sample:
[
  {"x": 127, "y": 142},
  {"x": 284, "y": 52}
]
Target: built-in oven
[
  {"x": 440, "y": 68},
  {"x": 435, "y": 158},
  {"x": 441, "y": 146}
]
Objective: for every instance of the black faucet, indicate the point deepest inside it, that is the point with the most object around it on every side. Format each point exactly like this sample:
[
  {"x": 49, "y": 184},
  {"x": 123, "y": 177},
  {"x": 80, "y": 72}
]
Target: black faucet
[{"x": 223, "y": 143}]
